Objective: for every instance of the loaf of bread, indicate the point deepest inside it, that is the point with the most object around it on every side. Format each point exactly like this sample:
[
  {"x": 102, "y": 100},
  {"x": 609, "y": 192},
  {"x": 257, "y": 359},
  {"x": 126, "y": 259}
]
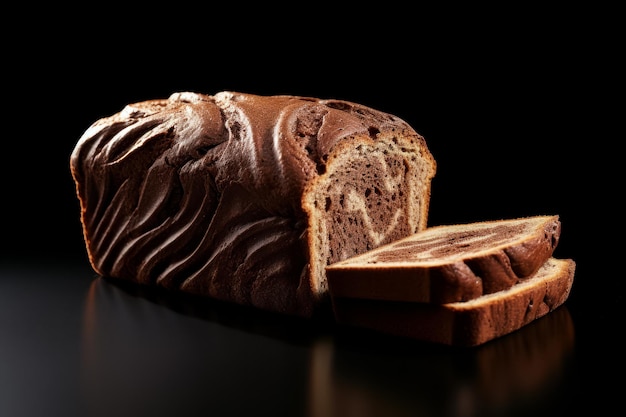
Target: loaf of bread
[
  {"x": 247, "y": 198},
  {"x": 450, "y": 263},
  {"x": 468, "y": 323}
]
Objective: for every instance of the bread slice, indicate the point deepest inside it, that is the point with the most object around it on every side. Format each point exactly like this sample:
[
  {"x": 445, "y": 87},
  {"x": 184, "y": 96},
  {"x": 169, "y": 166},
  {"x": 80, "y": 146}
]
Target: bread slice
[
  {"x": 468, "y": 323},
  {"x": 451, "y": 263},
  {"x": 246, "y": 198}
]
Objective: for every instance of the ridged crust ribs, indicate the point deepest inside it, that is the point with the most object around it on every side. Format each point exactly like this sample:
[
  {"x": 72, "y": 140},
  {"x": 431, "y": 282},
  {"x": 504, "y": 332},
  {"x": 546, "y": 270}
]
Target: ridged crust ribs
[{"x": 246, "y": 198}]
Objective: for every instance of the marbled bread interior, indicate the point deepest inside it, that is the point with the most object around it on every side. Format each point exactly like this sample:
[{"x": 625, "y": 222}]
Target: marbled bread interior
[{"x": 449, "y": 263}]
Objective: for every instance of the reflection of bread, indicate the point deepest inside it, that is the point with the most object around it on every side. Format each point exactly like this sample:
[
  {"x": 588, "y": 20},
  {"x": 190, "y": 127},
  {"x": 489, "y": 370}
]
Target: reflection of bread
[
  {"x": 534, "y": 358},
  {"x": 246, "y": 198},
  {"x": 466, "y": 323},
  {"x": 449, "y": 263}
]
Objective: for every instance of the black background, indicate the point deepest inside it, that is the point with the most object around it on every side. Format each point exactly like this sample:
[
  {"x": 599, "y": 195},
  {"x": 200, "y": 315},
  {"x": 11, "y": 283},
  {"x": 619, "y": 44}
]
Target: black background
[
  {"x": 516, "y": 110},
  {"x": 517, "y": 106}
]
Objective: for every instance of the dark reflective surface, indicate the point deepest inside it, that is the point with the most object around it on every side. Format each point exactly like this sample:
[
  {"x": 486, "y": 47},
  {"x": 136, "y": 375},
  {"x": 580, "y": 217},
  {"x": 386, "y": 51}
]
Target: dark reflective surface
[{"x": 73, "y": 343}]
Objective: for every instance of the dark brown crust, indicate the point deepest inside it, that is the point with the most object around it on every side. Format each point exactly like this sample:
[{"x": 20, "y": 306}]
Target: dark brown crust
[{"x": 465, "y": 323}]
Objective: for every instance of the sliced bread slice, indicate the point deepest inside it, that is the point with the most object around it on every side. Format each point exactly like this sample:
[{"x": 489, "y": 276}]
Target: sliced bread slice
[
  {"x": 451, "y": 263},
  {"x": 468, "y": 323}
]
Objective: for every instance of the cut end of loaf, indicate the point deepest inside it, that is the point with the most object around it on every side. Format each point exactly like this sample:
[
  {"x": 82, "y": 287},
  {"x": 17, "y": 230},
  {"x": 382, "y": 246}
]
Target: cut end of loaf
[{"x": 374, "y": 191}]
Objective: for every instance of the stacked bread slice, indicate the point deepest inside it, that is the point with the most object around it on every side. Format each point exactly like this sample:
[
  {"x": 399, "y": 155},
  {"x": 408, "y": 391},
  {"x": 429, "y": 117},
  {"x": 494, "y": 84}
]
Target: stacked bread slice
[{"x": 462, "y": 284}]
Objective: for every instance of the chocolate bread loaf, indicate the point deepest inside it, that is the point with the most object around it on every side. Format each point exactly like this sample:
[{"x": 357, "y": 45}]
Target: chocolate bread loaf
[{"x": 247, "y": 198}]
